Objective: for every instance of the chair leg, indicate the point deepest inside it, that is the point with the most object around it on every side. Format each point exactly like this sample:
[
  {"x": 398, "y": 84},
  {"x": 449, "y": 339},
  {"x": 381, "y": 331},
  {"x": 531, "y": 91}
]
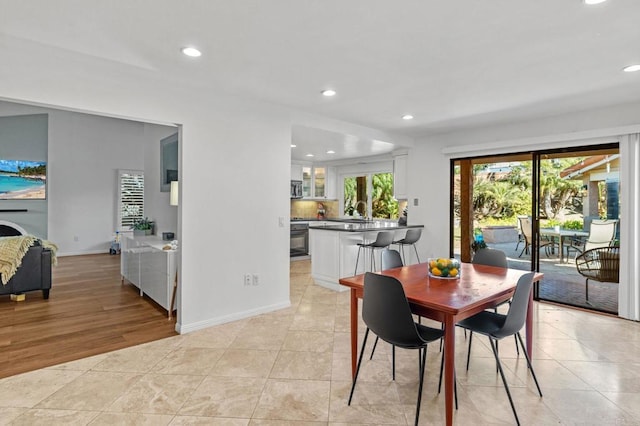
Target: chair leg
[
  {"x": 526, "y": 248},
  {"x": 373, "y": 260},
  {"x": 586, "y": 288},
  {"x": 353, "y": 386},
  {"x": 526, "y": 355},
  {"x": 504, "y": 380},
  {"x": 374, "y": 348},
  {"x": 355, "y": 272},
  {"x": 393, "y": 362},
  {"x": 423, "y": 362},
  {"x": 469, "y": 350},
  {"x": 416, "y": 249}
]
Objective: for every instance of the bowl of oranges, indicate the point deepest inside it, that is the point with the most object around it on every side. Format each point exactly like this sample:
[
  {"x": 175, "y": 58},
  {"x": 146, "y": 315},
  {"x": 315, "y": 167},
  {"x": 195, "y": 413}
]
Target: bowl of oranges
[{"x": 444, "y": 268}]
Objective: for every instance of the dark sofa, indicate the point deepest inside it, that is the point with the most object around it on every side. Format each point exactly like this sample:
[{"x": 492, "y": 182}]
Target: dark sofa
[{"x": 33, "y": 274}]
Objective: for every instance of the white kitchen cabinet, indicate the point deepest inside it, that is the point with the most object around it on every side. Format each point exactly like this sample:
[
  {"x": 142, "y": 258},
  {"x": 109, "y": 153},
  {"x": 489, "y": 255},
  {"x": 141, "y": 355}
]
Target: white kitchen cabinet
[
  {"x": 150, "y": 268},
  {"x": 400, "y": 177},
  {"x": 331, "y": 183},
  {"x": 319, "y": 182},
  {"x": 296, "y": 172}
]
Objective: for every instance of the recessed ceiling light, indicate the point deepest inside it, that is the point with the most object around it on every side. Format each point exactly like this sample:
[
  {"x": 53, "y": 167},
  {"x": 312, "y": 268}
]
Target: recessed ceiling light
[
  {"x": 293, "y": 145},
  {"x": 328, "y": 92},
  {"x": 331, "y": 152},
  {"x": 309, "y": 155},
  {"x": 407, "y": 117},
  {"x": 632, "y": 68},
  {"x": 191, "y": 51},
  {"x": 590, "y": 2}
]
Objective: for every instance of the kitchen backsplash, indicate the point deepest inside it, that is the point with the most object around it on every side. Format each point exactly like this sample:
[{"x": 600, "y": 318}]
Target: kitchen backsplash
[{"x": 309, "y": 209}]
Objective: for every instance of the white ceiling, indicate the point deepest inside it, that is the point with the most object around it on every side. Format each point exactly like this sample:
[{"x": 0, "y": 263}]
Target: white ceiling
[{"x": 452, "y": 64}]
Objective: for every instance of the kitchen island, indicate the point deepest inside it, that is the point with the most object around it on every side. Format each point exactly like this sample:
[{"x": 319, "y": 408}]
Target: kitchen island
[{"x": 334, "y": 248}]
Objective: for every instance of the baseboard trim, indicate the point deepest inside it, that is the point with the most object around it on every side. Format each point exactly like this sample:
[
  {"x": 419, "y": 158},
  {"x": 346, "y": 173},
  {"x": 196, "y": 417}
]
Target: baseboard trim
[
  {"x": 80, "y": 253},
  {"x": 188, "y": 328}
]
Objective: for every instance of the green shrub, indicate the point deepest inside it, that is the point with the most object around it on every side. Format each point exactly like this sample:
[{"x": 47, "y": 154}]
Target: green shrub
[{"x": 573, "y": 224}]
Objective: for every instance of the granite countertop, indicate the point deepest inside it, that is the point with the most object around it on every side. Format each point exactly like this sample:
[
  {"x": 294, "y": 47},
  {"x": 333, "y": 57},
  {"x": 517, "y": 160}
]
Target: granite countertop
[{"x": 363, "y": 226}]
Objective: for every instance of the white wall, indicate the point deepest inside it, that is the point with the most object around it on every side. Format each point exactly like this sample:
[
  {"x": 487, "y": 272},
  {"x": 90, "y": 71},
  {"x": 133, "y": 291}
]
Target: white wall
[{"x": 429, "y": 168}]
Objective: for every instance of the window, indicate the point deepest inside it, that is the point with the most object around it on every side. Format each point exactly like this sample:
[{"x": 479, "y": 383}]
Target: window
[
  {"x": 370, "y": 193},
  {"x": 130, "y": 198}
]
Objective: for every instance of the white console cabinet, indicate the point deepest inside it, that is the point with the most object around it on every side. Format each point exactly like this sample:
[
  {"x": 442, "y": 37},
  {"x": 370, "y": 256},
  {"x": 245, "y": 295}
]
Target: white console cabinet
[{"x": 146, "y": 265}]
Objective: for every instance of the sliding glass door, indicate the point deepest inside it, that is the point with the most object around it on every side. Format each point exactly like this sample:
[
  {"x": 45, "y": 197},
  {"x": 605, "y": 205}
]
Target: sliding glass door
[{"x": 538, "y": 208}]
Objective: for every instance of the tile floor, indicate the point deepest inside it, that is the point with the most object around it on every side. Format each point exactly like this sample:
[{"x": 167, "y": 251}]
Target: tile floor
[{"x": 293, "y": 367}]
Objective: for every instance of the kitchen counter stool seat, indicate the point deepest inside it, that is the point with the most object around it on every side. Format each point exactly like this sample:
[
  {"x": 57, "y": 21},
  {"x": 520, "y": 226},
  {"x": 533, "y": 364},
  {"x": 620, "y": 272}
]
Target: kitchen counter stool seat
[
  {"x": 410, "y": 239},
  {"x": 383, "y": 241}
]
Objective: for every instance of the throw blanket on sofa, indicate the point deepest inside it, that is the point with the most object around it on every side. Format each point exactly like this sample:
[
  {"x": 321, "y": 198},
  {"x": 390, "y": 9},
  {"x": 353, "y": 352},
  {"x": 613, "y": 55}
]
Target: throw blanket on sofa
[{"x": 13, "y": 249}]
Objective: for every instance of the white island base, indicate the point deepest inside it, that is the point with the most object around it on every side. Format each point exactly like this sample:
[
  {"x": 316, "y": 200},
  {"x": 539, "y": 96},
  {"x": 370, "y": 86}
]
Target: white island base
[{"x": 334, "y": 253}]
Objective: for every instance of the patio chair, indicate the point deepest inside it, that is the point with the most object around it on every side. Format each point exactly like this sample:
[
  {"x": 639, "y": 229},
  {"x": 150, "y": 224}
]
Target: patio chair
[
  {"x": 602, "y": 233},
  {"x": 600, "y": 264},
  {"x": 526, "y": 227},
  {"x": 520, "y": 233}
]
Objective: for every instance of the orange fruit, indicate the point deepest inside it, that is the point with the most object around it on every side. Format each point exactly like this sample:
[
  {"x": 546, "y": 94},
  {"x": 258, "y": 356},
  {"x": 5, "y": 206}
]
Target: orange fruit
[
  {"x": 436, "y": 272},
  {"x": 453, "y": 272}
]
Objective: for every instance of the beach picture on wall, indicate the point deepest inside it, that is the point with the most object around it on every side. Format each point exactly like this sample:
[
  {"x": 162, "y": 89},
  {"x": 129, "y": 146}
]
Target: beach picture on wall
[{"x": 23, "y": 180}]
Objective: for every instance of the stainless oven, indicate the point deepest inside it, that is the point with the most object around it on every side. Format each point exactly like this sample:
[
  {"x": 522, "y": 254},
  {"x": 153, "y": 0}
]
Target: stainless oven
[{"x": 299, "y": 239}]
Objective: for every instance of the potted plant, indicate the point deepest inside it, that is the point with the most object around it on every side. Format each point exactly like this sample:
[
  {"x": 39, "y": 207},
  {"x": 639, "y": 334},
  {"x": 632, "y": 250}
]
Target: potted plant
[
  {"x": 142, "y": 227},
  {"x": 478, "y": 240}
]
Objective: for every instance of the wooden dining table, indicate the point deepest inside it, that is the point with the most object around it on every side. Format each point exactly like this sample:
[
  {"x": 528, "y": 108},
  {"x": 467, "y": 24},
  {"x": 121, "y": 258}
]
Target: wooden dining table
[{"x": 448, "y": 301}]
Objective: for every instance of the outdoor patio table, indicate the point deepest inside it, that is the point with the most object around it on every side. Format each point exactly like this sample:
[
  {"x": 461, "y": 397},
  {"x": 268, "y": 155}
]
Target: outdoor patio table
[
  {"x": 560, "y": 235},
  {"x": 448, "y": 301}
]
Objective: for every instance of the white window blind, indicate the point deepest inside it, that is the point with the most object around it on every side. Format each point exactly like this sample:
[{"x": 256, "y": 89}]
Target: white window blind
[{"x": 130, "y": 197}]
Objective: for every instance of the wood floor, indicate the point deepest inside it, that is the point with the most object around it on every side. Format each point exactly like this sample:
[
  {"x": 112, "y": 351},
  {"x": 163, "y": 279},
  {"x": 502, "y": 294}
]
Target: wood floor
[{"x": 88, "y": 312}]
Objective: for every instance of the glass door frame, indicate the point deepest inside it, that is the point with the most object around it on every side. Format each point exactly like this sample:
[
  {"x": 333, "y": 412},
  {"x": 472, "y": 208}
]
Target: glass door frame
[{"x": 535, "y": 157}]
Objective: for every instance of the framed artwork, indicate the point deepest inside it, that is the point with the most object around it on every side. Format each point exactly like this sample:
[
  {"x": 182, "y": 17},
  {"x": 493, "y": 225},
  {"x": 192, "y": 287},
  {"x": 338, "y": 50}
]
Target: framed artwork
[
  {"x": 168, "y": 162},
  {"x": 23, "y": 180}
]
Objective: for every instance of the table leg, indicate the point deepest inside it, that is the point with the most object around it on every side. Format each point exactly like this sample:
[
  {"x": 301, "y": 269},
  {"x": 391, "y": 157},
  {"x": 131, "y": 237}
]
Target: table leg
[
  {"x": 529, "y": 325},
  {"x": 449, "y": 366},
  {"x": 354, "y": 331}
]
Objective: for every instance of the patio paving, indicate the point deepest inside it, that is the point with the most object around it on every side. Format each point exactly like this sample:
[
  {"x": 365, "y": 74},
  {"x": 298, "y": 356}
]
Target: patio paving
[{"x": 561, "y": 282}]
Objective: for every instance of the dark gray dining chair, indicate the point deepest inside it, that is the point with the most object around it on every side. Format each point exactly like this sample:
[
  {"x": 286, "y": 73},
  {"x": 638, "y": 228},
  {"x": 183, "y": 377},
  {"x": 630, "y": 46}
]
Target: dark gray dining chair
[
  {"x": 386, "y": 312},
  {"x": 498, "y": 326},
  {"x": 490, "y": 257},
  {"x": 391, "y": 259}
]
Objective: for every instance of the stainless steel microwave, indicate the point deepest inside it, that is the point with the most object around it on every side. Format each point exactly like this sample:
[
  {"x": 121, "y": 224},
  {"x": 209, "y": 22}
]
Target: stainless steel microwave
[{"x": 296, "y": 189}]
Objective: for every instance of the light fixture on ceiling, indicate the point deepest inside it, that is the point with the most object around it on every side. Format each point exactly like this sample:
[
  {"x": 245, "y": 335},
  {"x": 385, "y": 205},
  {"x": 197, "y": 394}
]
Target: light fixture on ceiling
[
  {"x": 632, "y": 68},
  {"x": 309, "y": 155},
  {"x": 293, "y": 145},
  {"x": 331, "y": 151},
  {"x": 592, "y": 2},
  {"x": 407, "y": 117},
  {"x": 191, "y": 51},
  {"x": 328, "y": 93}
]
